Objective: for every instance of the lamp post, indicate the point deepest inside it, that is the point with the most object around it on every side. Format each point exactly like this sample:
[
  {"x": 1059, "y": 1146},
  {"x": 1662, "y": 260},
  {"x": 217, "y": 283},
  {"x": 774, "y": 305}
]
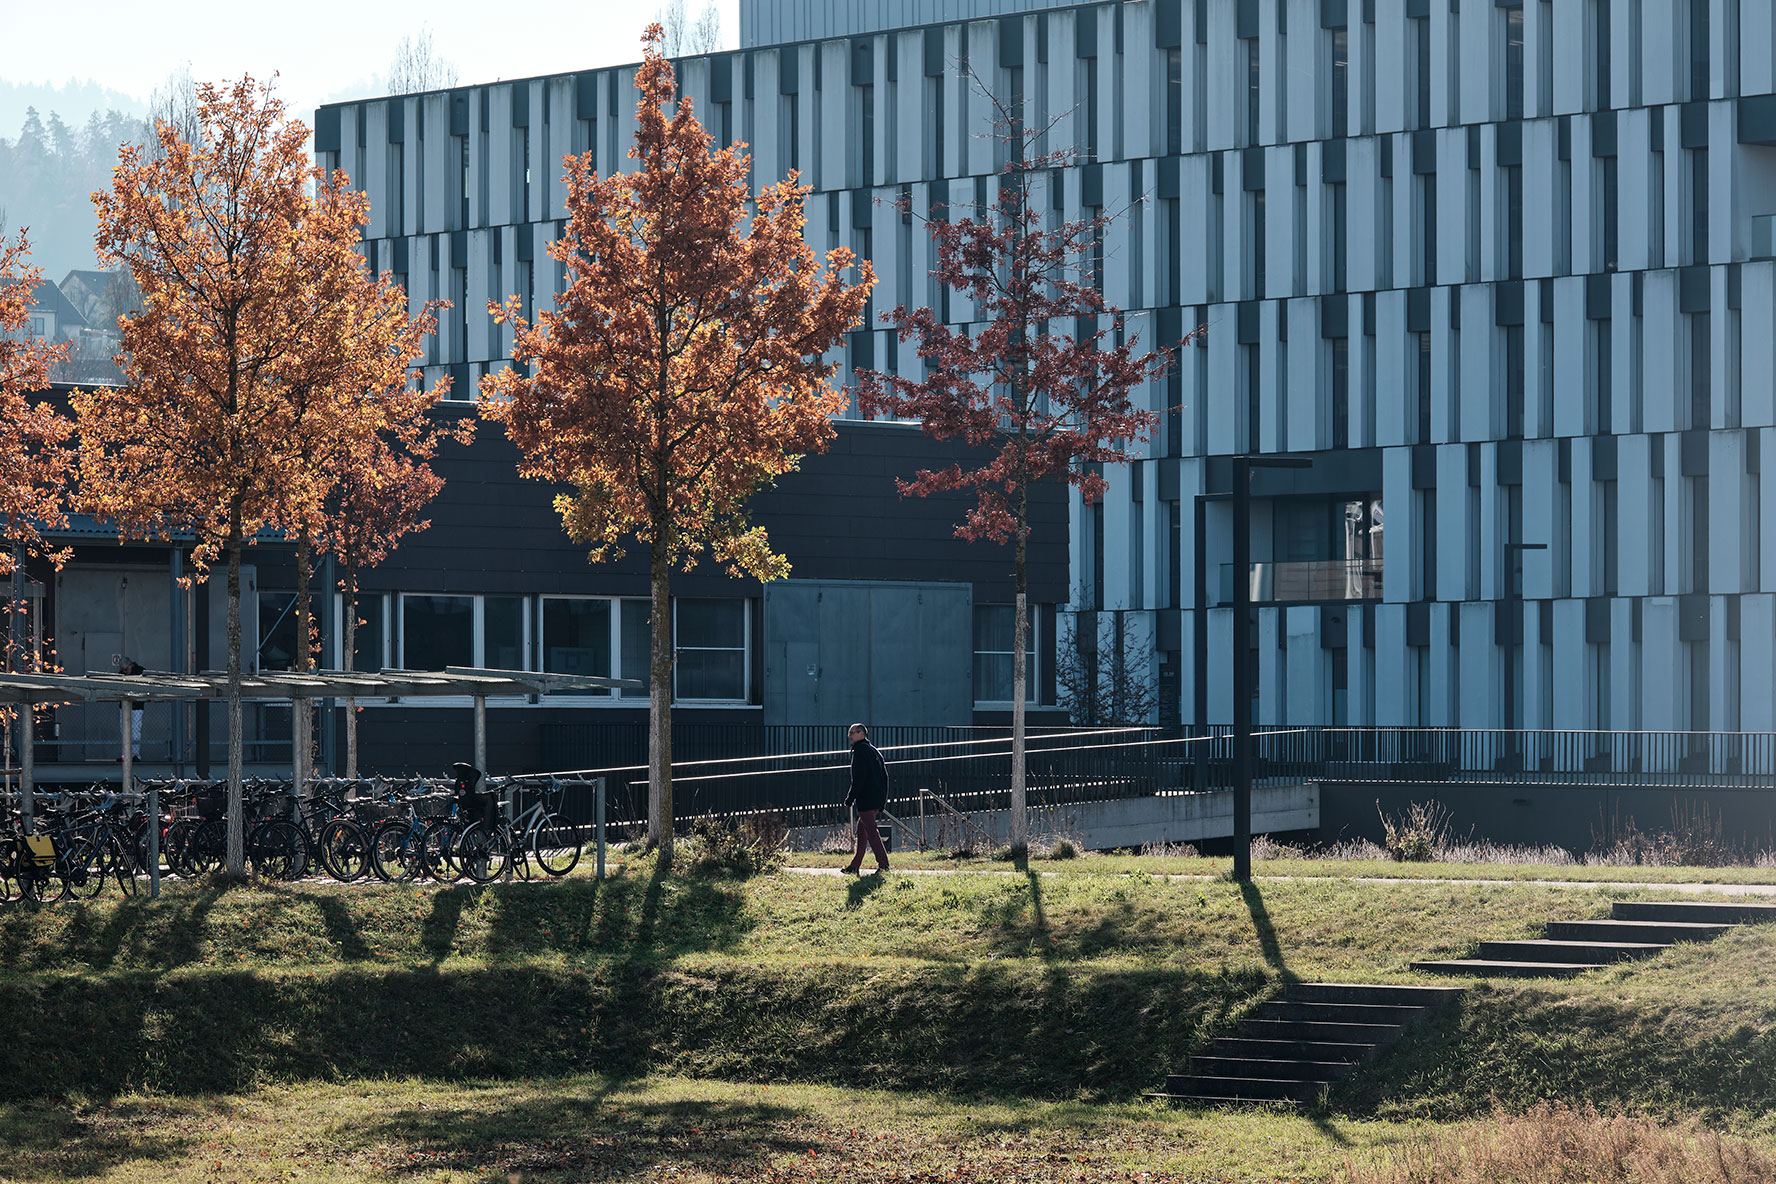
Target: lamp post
[{"x": 1242, "y": 647}]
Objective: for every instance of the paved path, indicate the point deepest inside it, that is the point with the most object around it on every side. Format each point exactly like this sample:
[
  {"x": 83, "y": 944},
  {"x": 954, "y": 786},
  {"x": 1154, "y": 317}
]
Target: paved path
[{"x": 1609, "y": 885}]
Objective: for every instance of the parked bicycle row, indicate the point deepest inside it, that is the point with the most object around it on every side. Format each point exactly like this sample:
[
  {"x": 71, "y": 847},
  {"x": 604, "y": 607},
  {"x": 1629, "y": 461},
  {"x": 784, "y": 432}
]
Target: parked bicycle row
[{"x": 462, "y": 827}]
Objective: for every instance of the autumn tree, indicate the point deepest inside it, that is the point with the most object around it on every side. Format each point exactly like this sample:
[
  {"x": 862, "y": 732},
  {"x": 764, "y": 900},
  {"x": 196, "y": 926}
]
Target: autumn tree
[
  {"x": 33, "y": 436},
  {"x": 353, "y": 392},
  {"x": 220, "y": 235},
  {"x": 1039, "y": 379},
  {"x": 683, "y": 368},
  {"x": 376, "y": 502}
]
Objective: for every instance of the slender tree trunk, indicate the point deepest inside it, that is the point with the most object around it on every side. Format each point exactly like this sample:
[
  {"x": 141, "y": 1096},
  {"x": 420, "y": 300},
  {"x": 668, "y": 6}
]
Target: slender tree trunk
[
  {"x": 1020, "y": 637},
  {"x": 350, "y": 663},
  {"x": 302, "y": 710},
  {"x": 237, "y": 839},
  {"x": 660, "y": 707}
]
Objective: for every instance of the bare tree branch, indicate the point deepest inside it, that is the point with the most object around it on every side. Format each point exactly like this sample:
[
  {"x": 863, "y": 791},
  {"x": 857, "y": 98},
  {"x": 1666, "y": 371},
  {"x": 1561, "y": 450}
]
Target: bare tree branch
[{"x": 418, "y": 67}]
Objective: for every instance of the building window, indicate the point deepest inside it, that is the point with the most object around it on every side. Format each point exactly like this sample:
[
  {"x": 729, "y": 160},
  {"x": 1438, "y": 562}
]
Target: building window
[
  {"x": 368, "y": 640},
  {"x": 993, "y": 640},
  {"x": 1340, "y": 82},
  {"x": 1255, "y": 261},
  {"x": 1514, "y": 223},
  {"x": 1340, "y": 392},
  {"x": 1600, "y": 56},
  {"x": 277, "y": 631},
  {"x": 1698, "y": 205},
  {"x": 1422, "y": 386},
  {"x": 1701, "y": 340},
  {"x": 1174, "y": 100},
  {"x": 437, "y": 631},
  {"x": 711, "y": 650},
  {"x": 1514, "y": 62},
  {"x": 1422, "y": 70},
  {"x": 1250, "y": 45},
  {"x": 1515, "y": 380}
]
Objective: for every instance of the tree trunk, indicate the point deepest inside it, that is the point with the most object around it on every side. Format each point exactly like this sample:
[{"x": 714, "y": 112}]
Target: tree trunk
[
  {"x": 660, "y": 708},
  {"x": 302, "y": 710},
  {"x": 237, "y": 839},
  {"x": 350, "y": 663},
  {"x": 1020, "y": 823}
]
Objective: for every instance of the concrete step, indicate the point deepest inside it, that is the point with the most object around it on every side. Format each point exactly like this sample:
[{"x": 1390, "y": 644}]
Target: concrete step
[
  {"x": 1270, "y": 1070},
  {"x": 1213, "y": 1100},
  {"x": 1719, "y": 912},
  {"x": 1183, "y": 1085},
  {"x": 1337, "y": 1033},
  {"x": 1371, "y": 993},
  {"x": 1495, "y": 968},
  {"x": 1597, "y": 952},
  {"x": 1340, "y": 1013},
  {"x": 1635, "y": 931},
  {"x": 1251, "y": 1049}
]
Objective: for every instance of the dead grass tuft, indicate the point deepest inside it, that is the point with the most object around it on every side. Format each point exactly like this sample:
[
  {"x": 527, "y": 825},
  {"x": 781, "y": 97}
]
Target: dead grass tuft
[{"x": 1558, "y": 1144}]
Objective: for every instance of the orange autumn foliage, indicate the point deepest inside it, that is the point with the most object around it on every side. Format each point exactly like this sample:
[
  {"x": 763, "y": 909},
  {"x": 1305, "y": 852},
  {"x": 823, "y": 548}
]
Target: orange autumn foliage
[
  {"x": 33, "y": 457},
  {"x": 683, "y": 368}
]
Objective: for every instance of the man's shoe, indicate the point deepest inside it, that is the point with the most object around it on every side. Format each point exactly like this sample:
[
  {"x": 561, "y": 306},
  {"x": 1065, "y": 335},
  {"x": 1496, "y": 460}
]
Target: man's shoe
[{"x": 849, "y": 871}]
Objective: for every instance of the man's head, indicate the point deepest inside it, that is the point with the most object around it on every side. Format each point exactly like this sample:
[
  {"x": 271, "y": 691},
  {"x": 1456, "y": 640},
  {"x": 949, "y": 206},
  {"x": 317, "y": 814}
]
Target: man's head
[{"x": 857, "y": 732}]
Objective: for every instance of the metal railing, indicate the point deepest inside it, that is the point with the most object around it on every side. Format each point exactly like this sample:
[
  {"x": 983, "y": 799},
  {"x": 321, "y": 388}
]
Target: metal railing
[{"x": 1065, "y": 768}]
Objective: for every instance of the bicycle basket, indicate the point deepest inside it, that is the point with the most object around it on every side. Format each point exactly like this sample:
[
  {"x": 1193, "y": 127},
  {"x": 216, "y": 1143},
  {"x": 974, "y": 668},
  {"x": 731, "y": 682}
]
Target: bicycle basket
[
  {"x": 212, "y": 803},
  {"x": 40, "y": 850}
]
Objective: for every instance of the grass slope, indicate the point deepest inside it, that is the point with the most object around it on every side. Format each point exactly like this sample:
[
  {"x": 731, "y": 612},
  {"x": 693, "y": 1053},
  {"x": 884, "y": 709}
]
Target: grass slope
[{"x": 1085, "y": 985}]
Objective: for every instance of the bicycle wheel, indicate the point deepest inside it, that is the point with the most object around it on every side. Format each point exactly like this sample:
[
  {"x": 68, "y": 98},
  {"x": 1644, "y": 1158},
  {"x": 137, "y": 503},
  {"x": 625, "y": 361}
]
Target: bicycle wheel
[
  {"x": 83, "y": 869},
  {"x": 41, "y": 885},
  {"x": 277, "y": 851},
  {"x": 556, "y": 842},
  {"x": 207, "y": 850},
  {"x": 484, "y": 852},
  {"x": 120, "y": 863},
  {"x": 344, "y": 850},
  {"x": 396, "y": 852},
  {"x": 439, "y": 844}
]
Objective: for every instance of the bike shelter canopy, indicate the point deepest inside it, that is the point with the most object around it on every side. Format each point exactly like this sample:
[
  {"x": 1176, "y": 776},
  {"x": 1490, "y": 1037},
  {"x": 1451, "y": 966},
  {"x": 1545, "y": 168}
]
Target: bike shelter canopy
[{"x": 26, "y": 691}]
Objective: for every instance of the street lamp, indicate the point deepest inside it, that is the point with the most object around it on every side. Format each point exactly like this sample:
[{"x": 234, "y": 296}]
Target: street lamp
[{"x": 1242, "y": 647}]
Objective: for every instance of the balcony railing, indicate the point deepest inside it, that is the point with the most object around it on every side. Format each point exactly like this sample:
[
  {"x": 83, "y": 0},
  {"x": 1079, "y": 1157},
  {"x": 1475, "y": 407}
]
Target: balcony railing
[{"x": 1314, "y": 580}]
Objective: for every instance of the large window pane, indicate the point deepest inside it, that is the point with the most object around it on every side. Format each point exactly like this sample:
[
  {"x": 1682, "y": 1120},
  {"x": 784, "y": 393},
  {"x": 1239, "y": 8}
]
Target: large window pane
[
  {"x": 577, "y": 637},
  {"x": 637, "y": 644},
  {"x": 502, "y": 632},
  {"x": 277, "y": 631},
  {"x": 711, "y": 640},
  {"x": 994, "y": 637},
  {"x": 367, "y": 641},
  {"x": 437, "y": 631}
]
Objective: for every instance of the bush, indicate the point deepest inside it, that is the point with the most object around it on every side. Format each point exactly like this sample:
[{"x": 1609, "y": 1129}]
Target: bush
[
  {"x": 1418, "y": 836},
  {"x": 722, "y": 848}
]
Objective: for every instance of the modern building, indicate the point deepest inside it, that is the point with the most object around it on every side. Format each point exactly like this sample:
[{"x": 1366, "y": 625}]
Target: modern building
[{"x": 1503, "y": 271}]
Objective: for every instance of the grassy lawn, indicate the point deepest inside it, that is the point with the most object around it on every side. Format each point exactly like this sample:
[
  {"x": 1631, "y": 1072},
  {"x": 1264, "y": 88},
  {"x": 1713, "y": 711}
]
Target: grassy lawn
[
  {"x": 986, "y": 1026},
  {"x": 1161, "y": 865},
  {"x": 592, "y": 1127}
]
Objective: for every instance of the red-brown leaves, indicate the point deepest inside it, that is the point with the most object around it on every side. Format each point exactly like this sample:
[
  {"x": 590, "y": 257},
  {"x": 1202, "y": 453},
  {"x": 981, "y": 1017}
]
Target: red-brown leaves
[
  {"x": 33, "y": 455},
  {"x": 684, "y": 366}
]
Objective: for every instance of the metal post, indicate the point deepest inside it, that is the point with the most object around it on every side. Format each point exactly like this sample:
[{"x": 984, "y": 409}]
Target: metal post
[
  {"x": 153, "y": 839},
  {"x": 27, "y": 760},
  {"x": 128, "y": 755},
  {"x": 600, "y": 816},
  {"x": 1242, "y": 668}
]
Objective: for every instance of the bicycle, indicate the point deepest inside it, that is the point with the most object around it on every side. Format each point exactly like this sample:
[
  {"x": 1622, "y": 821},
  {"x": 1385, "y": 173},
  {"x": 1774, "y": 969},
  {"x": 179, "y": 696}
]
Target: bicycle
[{"x": 491, "y": 847}]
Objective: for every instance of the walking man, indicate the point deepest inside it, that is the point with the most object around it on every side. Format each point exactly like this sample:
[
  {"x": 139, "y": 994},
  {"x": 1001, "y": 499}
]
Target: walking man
[{"x": 869, "y": 794}]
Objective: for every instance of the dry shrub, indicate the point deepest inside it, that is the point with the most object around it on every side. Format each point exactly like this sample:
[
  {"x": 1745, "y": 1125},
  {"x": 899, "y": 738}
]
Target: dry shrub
[
  {"x": 1419, "y": 835},
  {"x": 1165, "y": 850},
  {"x": 1696, "y": 838},
  {"x": 1265, "y": 847},
  {"x": 1554, "y": 1143}
]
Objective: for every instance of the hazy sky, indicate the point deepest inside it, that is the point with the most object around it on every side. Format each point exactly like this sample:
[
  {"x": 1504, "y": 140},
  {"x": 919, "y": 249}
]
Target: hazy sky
[{"x": 323, "y": 50}]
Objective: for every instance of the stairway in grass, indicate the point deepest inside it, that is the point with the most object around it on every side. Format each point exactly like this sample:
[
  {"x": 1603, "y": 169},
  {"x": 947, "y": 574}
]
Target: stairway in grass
[
  {"x": 1289, "y": 1049},
  {"x": 1634, "y": 929}
]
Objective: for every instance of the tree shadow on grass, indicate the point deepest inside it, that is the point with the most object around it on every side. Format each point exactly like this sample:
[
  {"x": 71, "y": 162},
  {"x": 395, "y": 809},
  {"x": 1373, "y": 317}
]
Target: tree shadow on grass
[
  {"x": 1268, "y": 945},
  {"x": 574, "y": 1135},
  {"x": 47, "y": 1142},
  {"x": 162, "y": 933}
]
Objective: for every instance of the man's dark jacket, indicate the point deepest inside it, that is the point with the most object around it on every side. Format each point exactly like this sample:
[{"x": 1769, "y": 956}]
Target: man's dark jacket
[{"x": 869, "y": 778}]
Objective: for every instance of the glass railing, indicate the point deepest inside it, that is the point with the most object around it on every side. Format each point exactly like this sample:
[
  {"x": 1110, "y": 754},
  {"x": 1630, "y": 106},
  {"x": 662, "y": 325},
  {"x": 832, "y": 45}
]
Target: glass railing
[{"x": 1314, "y": 580}]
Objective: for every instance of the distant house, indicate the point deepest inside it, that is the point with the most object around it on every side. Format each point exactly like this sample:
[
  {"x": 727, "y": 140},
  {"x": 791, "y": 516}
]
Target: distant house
[
  {"x": 53, "y": 316},
  {"x": 90, "y": 292}
]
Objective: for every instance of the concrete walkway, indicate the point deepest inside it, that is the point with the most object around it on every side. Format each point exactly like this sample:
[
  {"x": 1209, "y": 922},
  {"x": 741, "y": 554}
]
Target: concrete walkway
[{"x": 1599, "y": 885}]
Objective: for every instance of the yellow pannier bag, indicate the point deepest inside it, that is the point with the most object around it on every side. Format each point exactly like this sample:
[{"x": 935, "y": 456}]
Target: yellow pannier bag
[{"x": 40, "y": 849}]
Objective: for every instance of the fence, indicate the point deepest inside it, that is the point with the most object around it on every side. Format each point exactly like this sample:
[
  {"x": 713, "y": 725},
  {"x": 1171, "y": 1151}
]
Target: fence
[{"x": 1066, "y": 767}]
